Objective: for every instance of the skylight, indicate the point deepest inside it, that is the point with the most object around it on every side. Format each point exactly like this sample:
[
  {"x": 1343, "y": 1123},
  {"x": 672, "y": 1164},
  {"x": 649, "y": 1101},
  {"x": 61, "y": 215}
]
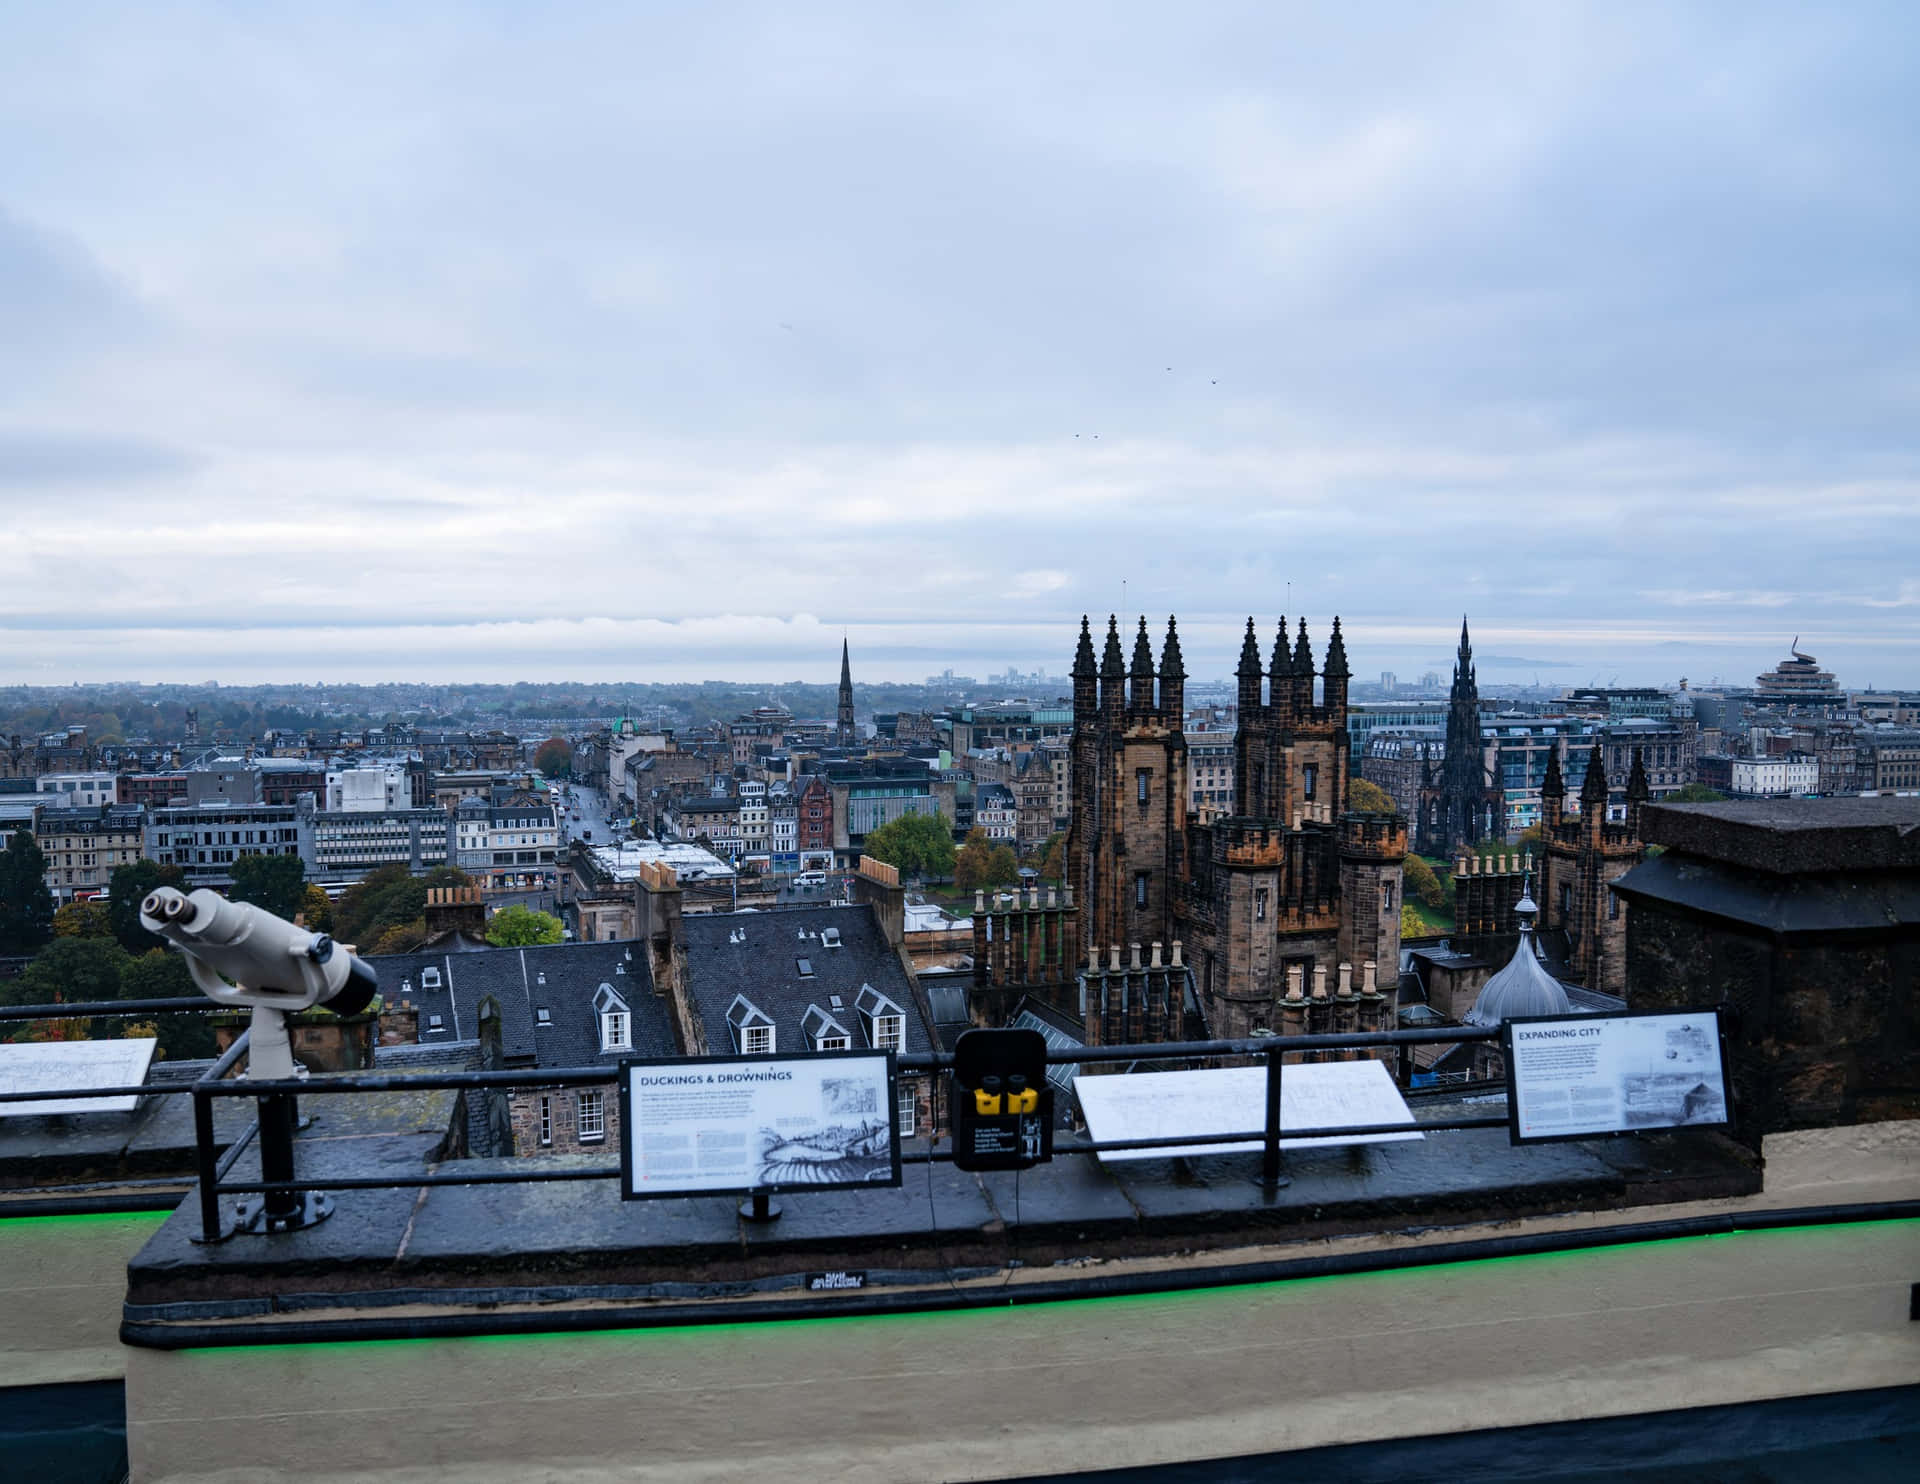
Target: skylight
[{"x": 806, "y": 967}]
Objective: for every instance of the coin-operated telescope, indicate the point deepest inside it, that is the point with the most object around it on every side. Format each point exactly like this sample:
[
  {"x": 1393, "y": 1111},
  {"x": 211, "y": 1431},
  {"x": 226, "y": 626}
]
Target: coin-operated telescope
[{"x": 240, "y": 954}]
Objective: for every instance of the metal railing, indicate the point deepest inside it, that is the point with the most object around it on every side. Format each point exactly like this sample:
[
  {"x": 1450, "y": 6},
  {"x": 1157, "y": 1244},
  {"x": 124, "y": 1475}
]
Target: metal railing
[{"x": 212, "y": 1165}]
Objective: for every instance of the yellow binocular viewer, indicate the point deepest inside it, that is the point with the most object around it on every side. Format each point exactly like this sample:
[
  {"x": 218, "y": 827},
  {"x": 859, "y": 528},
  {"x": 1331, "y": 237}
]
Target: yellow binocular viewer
[{"x": 1009, "y": 1095}]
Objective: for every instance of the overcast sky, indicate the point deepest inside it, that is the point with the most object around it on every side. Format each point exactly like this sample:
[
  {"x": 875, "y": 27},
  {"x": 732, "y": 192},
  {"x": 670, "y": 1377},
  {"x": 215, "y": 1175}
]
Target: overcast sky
[{"x": 509, "y": 341}]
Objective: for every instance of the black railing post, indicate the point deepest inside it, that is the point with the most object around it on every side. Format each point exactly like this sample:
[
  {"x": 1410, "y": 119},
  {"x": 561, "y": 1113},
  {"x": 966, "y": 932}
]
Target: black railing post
[
  {"x": 1270, "y": 1175},
  {"x": 282, "y": 1207},
  {"x": 205, "y": 1157}
]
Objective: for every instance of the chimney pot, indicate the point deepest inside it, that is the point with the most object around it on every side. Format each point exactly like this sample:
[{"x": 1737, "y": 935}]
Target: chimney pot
[
  {"x": 1093, "y": 958},
  {"x": 1294, "y": 980},
  {"x": 1176, "y": 954},
  {"x": 1346, "y": 981},
  {"x": 1368, "y": 970},
  {"x": 1113, "y": 958},
  {"x": 1156, "y": 956},
  {"x": 1319, "y": 981},
  {"x": 1135, "y": 951}
]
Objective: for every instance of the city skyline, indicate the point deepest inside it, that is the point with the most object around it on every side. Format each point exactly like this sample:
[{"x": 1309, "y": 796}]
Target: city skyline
[{"x": 675, "y": 343}]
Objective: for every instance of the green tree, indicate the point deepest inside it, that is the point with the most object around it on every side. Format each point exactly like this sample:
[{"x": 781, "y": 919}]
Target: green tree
[
  {"x": 555, "y": 758},
  {"x": 276, "y": 883},
  {"x": 1420, "y": 879},
  {"x": 130, "y": 886},
  {"x": 161, "y": 975},
  {"x": 520, "y": 926},
  {"x": 82, "y": 920},
  {"x": 918, "y": 844},
  {"x": 26, "y": 906},
  {"x": 69, "y": 971},
  {"x": 1695, "y": 793},
  {"x": 1369, "y": 798},
  {"x": 1053, "y": 858},
  {"x": 1411, "y": 925}
]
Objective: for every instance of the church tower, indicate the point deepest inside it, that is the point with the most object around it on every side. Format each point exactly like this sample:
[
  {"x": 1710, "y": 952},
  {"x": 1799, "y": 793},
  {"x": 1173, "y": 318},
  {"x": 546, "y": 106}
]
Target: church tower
[{"x": 843, "y": 731}]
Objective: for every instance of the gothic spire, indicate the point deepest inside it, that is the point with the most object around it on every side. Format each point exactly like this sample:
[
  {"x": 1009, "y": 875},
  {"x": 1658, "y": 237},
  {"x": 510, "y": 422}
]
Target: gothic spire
[
  {"x": 1113, "y": 665},
  {"x": 1336, "y": 652},
  {"x": 844, "y": 729},
  {"x": 1594, "y": 789},
  {"x": 1142, "y": 652},
  {"x": 1555, "y": 785},
  {"x": 1250, "y": 653},
  {"x": 1282, "y": 665},
  {"x": 1302, "y": 651},
  {"x": 1637, "y": 790},
  {"x": 1083, "y": 666},
  {"x": 1171, "y": 665}
]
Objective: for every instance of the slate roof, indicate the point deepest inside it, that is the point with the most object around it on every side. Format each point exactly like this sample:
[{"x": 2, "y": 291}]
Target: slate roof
[
  {"x": 758, "y": 956},
  {"x": 573, "y": 974}
]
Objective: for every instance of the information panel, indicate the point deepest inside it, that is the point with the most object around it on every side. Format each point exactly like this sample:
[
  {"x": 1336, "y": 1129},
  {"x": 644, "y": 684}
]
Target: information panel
[
  {"x": 1580, "y": 1076},
  {"x": 72, "y": 1065},
  {"x": 802, "y": 1121},
  {"x": 1227, "y": 1100}
]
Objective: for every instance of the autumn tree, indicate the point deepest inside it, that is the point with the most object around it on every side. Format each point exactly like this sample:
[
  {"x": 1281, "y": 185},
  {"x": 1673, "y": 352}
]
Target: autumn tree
[
  {"x": 555, "y": 758},
  {"x": 1420, "y": 879},
  {"x": 82, "y": 920},
  {"x": 981, "y": 865},
  {"x": 1369, "y": 798},
  {"x": 917, "y": 844},
  {"x": 26, "y": 906},
  {"x": 316, "y": 909}
]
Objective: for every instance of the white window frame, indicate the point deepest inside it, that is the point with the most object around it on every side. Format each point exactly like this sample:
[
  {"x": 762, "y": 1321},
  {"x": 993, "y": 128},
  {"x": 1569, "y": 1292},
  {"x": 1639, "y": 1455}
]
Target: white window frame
[
  {"x": 616, "y": 1030},
  {"x": 590, "y": 1115},
  {"x": 756, "y": 1040},
  {"x": 833, "y": 1043},
  {"x": 907, "y": 1108},
  {"x": 889, "y": 1032},
  {"x": 546, "y": 1120}
]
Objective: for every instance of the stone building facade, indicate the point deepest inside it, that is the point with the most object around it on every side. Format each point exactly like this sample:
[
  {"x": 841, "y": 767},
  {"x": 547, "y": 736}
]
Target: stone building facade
[
  {"x": 1581, "y": 858},
  {"x": 1289, "y": 879},
  {"x": 1801, "y": 918}
]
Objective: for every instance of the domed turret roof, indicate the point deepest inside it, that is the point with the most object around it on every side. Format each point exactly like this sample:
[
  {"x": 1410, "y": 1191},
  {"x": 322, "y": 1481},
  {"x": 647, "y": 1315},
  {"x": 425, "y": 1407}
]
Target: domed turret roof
[{"x": 1523, "y": 987}]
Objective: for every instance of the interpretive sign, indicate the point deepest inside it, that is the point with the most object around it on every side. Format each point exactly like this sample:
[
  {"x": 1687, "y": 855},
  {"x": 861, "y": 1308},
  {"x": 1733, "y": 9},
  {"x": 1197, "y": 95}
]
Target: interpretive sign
[
  {"x": 1230, "y": 1100},
  {"x": 1582, "y": 1076},
  {"x": 61, "y": 1066},
  {"x": 802, "y": 1121}
]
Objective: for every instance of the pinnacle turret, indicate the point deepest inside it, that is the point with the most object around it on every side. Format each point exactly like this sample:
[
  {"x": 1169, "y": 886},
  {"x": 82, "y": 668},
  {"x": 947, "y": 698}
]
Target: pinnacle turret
[
  {"x": 1336, "y": 652},
  {"x": 1250, "y": 654},
  {"x": 1083, "y": 665},
  {"x": 1594, "y": 789},
  {"x": 1113, "y": 665},
  {"x": 1142, "y": 653},
  {"x": 1172, "y": 667},
  {"x": 1302, "y": 652},
  {"x": 1282, "y": 665}
]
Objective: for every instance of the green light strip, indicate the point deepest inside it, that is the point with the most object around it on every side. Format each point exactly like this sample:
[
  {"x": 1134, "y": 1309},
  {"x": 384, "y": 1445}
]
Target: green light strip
[
  {"x": 74, "y": 1218},
  {"x": 761, "y": 1329}
]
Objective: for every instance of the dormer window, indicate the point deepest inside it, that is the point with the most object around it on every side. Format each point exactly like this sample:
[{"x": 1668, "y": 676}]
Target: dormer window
[
  {"x": 886, "y": 1022},
  {"x": 752, "y": 1027},
  {"x": 616, "y": 1031},
  {"x": 429, "y": 978},
  {"x": 823, "y": 1032}
]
